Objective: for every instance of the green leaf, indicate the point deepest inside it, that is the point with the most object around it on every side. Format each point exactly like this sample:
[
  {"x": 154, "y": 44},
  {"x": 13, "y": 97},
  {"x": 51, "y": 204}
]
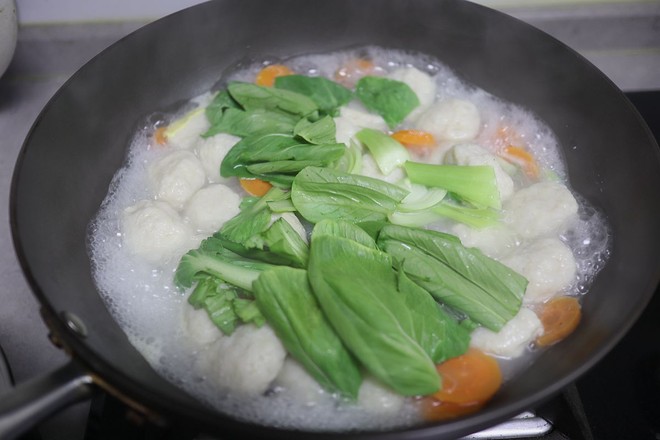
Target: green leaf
[
  {"x": 463, "y": 278},
  {"x": 356, "y": 288},
  {"x": 243, "y": 123},
  {"x": 234, "y": 163},
  {"x": 282, "y": 167},
  {"x": 221, "y": 102},
  {"x": 327, "y": 94},
  {"x": 344, "y": 229},
  {"x": 285, "y": 298},
  {"x": 272, "y": 156},
  {"x": 440, "y": 335},
  {"x": 320, "y": 132},
  {"x": 391, "y": 99},
  {"x": 253, "y": 219},
  {"x": 387, "y": 152},
  {"x": 320, "y": 193},
  {"x": 282, "y": 241},
  {"x": 253, "y": 97}
]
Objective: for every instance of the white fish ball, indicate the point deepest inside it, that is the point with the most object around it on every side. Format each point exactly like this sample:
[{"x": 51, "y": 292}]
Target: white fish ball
[
  {"x": 512, "y": 339},
  {"x": 451, "y": 119},
  {"x": 543, "y": 209},
  {"x": 212, "y": 151},
  {"x": 549, "y": 266},
  {"x": 176, "y": 177},
  {"x": 154, "y": 231},
  {"x": 211, "y": 207}
]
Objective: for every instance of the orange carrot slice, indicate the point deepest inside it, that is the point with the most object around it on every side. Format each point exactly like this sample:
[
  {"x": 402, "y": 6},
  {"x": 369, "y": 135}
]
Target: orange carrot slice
[
  {"x": 559, "y": 316},
  {"x": 414, "y": 138},
  {"x": 523, "y": 158},
  {"x": 469, "y": 379},
  {"x": 159, "y": 136},
  {"x": 353, "y": 70},
  {"x": 266, "y": 76},
  {"x": 255, "y": 187}
]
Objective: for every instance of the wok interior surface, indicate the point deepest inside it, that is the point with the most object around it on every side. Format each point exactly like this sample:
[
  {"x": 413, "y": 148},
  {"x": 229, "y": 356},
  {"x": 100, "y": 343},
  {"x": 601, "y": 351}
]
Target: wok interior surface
[{"x": 80, "y": 140}]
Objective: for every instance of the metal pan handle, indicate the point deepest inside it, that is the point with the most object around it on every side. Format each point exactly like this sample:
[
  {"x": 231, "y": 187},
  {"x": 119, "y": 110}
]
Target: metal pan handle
[{"x": 35, "y": 400}]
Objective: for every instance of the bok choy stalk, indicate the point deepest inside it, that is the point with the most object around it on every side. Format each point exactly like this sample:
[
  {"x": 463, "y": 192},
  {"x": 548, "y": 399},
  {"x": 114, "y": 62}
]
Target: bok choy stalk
[
  {"x": 356, "y": 288},
  {"x": 224, "y": 280},
  {"x": 351, "y": 161},
  {"x": 211, "y": 258},
  {"x": 474, "y": 184},
  {"x": 416, "y": 209},
  {"x": 428, "y": 205},
  {"x": 485, "y": 290},
  {"x": 387, "y": 152},
  {"x": 323, "y": 193},
  {"x": 474, "y": 217},
  {"x": 286, "y": 300},
  {"x": 226, "y": 305}
]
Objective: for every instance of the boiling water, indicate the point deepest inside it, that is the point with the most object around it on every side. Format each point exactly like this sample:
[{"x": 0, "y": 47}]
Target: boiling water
[{"x": 149, "y": 308}]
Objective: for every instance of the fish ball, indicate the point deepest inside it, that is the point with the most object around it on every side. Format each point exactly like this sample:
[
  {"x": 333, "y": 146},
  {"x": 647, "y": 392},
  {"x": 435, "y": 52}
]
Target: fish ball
[
  {"x": 154, "y": 231},
  {"x": 549, "y": 266},
  {"x": 512, "y": 339},
  {"x": 211, "y": 207},
  {"x": 176, "y": 177},
  {"x": 543, "y": 209},
  {"x": 212, "y": 151},
  {"x": 451, "y": 119}
]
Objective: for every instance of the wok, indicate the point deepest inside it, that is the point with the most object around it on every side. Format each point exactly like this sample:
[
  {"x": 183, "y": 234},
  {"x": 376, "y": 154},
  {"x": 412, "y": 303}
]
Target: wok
[{"x": 80, "y": 140}]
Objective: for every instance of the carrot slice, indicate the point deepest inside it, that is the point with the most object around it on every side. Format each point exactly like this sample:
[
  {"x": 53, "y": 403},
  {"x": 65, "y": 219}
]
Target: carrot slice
[
  {"x": 414, "y": 138},
  {"x": 255, "y": 187},
  {"x": 512, "y": 147},
  {"x": 523, "y": 158},
  {"x": 559, "y": 316},
  {"x": 469, "y": 379},
  {"x": 434, "y": 410},
  {"x": 159, "y": 136},
  {"x": 505, "y": 135},
  {"x": 266, "y": 76},
  {"x": 353, "y": 70}
]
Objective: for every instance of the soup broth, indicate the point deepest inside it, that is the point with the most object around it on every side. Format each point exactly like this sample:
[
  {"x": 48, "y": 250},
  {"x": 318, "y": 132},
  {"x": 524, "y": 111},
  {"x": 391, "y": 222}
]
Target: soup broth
[{"x": 170, "y": 196}]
